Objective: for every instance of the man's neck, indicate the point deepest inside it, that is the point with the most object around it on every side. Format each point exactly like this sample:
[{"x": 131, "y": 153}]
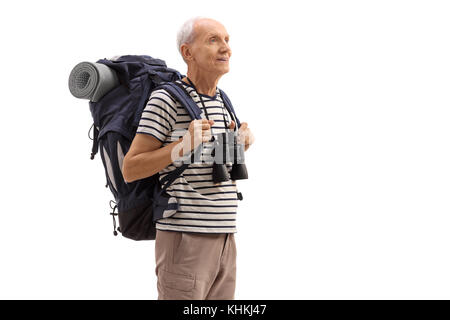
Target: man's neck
[{"x": 203, "y": 84}]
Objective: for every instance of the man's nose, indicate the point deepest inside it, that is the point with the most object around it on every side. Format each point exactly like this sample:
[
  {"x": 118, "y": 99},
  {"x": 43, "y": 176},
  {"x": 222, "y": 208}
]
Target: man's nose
[{"x": 225, "y": 47}]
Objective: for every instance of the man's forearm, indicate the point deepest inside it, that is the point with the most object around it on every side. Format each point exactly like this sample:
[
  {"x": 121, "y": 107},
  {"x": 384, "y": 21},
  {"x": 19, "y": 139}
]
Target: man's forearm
[{"x": 146, "y": 164}]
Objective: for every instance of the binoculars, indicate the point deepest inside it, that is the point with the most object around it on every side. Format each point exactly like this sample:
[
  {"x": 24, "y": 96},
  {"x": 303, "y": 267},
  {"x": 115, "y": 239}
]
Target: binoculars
[{"x": 226, "y": 149}]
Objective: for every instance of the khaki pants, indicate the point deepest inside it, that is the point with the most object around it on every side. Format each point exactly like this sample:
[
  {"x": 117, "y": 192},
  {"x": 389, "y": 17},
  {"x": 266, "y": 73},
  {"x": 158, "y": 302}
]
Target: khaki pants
[{"x": 195, "y": 266}]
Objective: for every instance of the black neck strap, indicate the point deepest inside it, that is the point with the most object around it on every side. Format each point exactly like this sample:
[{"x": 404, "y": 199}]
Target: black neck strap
[{"x": 204, "y": 108}]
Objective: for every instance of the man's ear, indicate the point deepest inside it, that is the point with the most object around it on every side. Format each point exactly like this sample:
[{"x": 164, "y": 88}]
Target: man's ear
[{"x": 186, "y": 52}]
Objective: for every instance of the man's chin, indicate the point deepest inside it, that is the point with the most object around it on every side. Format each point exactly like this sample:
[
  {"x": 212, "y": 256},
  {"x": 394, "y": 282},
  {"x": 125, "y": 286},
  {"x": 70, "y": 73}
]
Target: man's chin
[
  {"x": 220, "y": 72},
  {"x": 224, "y": 70}
]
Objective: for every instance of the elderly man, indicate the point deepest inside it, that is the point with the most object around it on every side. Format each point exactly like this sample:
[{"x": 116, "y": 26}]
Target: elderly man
[{"x": 195, "y": 247}]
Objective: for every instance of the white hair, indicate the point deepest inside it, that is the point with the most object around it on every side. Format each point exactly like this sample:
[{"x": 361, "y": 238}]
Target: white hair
[{"x": 186, "y": 33}]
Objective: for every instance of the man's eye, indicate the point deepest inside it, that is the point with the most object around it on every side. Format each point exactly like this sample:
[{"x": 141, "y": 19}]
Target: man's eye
[{"x": 213, "y": 39}]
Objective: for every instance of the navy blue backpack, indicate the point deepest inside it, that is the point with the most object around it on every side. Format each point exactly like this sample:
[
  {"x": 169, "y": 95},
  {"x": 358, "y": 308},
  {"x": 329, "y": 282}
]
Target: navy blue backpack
[{"x": 116, "y": 118}]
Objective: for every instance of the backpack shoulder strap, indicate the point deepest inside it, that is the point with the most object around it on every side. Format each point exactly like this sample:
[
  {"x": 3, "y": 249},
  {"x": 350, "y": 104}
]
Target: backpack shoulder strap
[
  {"x": 229, "y": 106},
  {"x": 179, "y": 93}
]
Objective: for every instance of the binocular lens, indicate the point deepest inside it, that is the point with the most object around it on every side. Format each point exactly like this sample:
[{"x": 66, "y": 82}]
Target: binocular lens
[
  {"x": 228, "y": 150},
  {"x": 239, "y": 172},
  {"x": 220, "y": 173}
]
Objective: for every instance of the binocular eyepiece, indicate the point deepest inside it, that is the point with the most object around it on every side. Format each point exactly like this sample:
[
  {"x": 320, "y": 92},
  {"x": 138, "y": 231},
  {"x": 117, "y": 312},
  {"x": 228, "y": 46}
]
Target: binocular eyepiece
[{"x": 226, "y": 149}]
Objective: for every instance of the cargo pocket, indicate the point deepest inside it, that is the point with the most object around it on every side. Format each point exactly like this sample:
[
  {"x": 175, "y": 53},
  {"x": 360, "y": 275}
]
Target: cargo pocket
[{"x": 175, "y": 286}]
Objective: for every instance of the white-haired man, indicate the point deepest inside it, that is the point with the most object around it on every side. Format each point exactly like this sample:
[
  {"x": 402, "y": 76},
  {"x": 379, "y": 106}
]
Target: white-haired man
[{"x": 195, "y": 247}]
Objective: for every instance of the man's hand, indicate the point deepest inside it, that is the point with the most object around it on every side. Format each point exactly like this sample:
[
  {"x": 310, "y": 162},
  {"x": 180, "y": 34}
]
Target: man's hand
[
  {"x": 245, "y": 136},
  {"x": 199, "y": 131}
]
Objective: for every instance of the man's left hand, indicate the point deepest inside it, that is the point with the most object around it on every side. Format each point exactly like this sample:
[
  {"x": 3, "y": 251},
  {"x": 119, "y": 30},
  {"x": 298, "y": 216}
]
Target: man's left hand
[{"x": 245, "y": 136}]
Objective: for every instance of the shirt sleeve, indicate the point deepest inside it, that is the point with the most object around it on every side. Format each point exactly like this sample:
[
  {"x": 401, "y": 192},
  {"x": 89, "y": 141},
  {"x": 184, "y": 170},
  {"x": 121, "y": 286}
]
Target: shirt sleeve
[{"x": 159, "y": 115}]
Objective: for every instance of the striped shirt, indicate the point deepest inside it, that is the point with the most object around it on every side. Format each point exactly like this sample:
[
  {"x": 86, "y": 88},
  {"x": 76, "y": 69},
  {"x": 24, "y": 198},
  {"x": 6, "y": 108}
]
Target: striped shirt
[{"x": 203, "y": 206}]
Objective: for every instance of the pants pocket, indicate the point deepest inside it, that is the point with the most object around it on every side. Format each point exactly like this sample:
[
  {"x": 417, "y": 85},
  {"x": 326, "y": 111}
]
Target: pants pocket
[
  {"x": 182, "y": 247},
  {"x": 175, "y": 286}
]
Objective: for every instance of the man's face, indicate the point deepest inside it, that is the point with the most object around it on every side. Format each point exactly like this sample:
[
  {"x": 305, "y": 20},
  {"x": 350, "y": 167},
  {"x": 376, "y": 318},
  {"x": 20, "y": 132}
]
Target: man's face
[{"x": 210, "y": 50}]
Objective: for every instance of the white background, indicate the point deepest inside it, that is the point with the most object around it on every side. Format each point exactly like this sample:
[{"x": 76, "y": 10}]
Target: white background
[{"x": 348, "y": 196}]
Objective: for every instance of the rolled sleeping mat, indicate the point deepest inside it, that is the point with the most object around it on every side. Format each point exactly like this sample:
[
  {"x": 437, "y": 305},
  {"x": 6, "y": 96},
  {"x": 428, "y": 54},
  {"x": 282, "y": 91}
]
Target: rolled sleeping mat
[{"x": 89, "y": 80}]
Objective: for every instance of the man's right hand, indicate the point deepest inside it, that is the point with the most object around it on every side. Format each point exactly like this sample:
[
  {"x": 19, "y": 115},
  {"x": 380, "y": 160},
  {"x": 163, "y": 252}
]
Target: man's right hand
[{"x": 199, "y": 131}]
